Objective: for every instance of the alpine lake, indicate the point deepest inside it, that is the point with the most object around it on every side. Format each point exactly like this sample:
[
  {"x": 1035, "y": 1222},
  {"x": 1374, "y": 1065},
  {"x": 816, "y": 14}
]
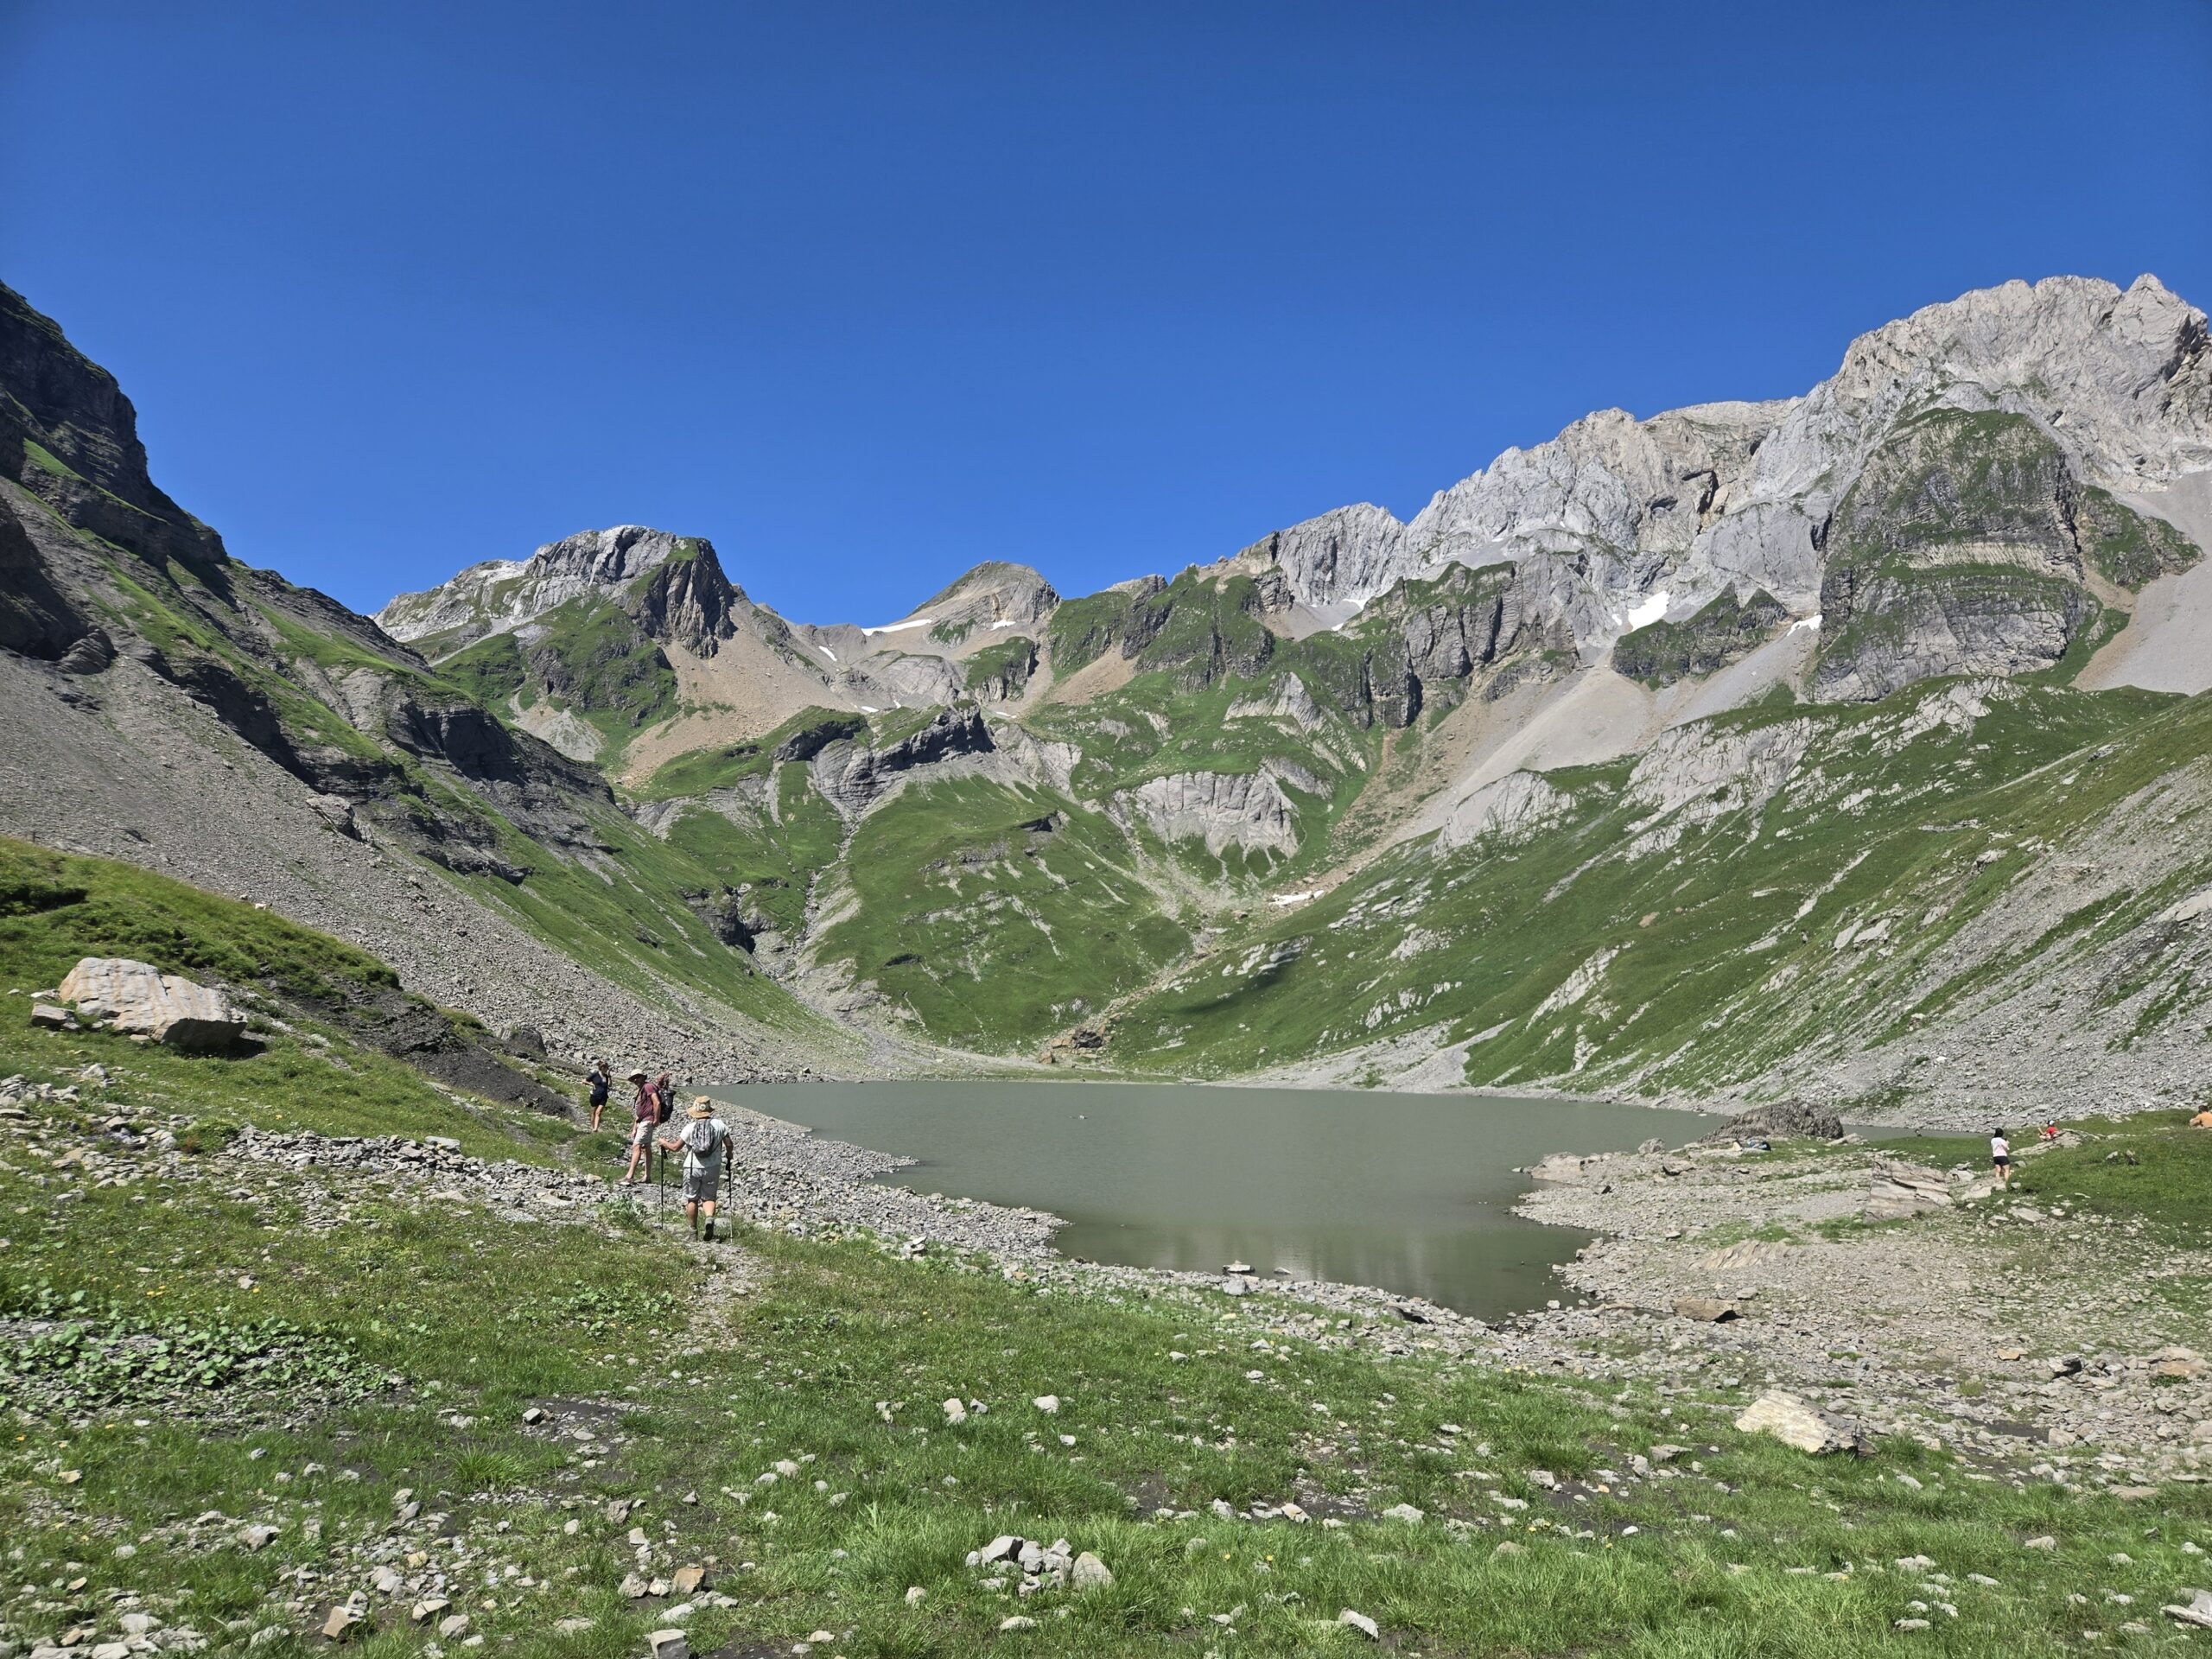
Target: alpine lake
[{"x": 1412, "y": 1193}]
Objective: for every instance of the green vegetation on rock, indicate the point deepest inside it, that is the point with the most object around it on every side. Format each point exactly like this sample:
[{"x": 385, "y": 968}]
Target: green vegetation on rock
[{"x": 1724, "y": 632}]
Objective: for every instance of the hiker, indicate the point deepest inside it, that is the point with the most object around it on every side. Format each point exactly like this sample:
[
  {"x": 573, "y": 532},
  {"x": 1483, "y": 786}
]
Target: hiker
[
  {"x": 599, "y": 1080},
  {"x": 2202, "y": 1120},
  {"x": 704, "y": 1141},
  {"x": 2001, "y": 1159},
  {"x": 644, "y": 1113}
]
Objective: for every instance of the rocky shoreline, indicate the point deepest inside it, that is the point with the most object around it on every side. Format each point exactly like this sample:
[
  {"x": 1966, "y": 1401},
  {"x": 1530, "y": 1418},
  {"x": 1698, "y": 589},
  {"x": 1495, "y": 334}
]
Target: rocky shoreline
[
  {"x": 1713, "y": 1275},
  {"x": 2019, "y": 1335}
]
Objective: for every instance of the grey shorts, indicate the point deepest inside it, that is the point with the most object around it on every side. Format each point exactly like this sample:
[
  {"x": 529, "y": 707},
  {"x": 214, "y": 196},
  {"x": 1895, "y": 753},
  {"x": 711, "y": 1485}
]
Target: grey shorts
[{"x": 702, "y": 1185}]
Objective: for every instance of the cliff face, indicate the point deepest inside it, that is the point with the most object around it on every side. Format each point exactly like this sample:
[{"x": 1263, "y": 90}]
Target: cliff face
[
  {"x": 2092, "y": 389},
  {"x": 70, "y": 437}
]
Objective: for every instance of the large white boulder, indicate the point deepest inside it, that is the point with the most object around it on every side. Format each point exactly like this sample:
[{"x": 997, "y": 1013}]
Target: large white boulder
[{"x": 136, "y": 997}]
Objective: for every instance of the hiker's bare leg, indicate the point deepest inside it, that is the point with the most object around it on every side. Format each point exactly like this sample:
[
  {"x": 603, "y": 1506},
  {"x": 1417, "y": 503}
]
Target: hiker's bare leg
[{"x": 706, "y": 1210}]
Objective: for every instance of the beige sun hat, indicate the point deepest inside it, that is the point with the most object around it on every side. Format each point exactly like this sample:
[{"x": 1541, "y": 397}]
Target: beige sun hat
[{"x": 702, "y": 1107}]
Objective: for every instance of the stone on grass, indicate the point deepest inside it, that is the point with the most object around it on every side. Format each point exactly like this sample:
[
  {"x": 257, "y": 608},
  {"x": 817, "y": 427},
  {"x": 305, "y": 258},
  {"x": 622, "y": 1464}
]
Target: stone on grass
[
  {"x": 688, "y": 1580},
  {"x": 428, "y": 1608},
  {"x": 256, "y": 1537},
  {"x": 1089, "y": 1573},
  {"x": 2045, "y": 1542},
  {"x": 916, "y": 1595},
  {"x": 1509, "y": 1548},
  {"x": 453, "y": 1625},
  {"x": 955, "y": 1411},
  {"x": 1360, "y": 1622},
  {"x": 1017, "y": 1622},
  {"x": 138, "y": 998},
  {"x": 1796, "y": 1423},
  {"x": 337, "y": 1627},
  {"x": 633, "y": 1587},
  {"x": 1405, "y": 1512},
  {"x": 669, "y": 1645},
  {"x": 2197, "y": 1610},
  {"x": 1047, "y": 1403}
]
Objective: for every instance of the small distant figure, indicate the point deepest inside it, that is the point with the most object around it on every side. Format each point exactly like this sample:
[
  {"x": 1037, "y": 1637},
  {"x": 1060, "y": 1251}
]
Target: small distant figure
[
  {"x": 2202, "y": 1120},
  {"x": 644, "y": 1113},
  {"x": 2050, "y": 1129},
  {"x": 2001, "y": 1159},
  {"x": 599, "y": 1080},
  {"x": 704, "y": 1141}
]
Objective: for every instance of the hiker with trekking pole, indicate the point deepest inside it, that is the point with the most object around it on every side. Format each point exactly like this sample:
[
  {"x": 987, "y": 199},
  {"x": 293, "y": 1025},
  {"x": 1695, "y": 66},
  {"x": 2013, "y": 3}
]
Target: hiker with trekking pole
[
  {"x": 705, "y": 1143},
  {"x": 644, "y": 1114}
]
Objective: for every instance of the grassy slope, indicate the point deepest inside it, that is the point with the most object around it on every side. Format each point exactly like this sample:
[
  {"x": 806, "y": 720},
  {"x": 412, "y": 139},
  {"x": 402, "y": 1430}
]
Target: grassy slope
[
  {"x": 992, "y": 933},
  {"x": 1716, "y": 976},
  {"x": 423, "y": 1330},
  {"x": 589, "y": 656},
  {"x": 56, "y": 908}
]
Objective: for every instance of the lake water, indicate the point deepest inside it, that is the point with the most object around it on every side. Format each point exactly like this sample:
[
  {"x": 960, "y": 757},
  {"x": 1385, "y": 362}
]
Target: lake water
[{"x": 1411, "y": 1193}]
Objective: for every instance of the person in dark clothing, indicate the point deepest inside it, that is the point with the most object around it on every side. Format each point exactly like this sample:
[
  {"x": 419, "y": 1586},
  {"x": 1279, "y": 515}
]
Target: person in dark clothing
[{"x": 599, "y": 1080}]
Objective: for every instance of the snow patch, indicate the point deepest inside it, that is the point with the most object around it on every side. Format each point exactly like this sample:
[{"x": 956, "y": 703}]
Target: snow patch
[
  {"x": 826, "y": 652},
  {"x": 1649, "y": 612},
  {"x": 1812, "y": 622},
  {"x": 900, "y": 627}
]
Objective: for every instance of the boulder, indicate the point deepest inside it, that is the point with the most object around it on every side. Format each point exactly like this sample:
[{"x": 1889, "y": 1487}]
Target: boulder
[
  {"x": 1797, "y": 1423},
  {"x": 2196, "y": 1611},
  {"x": 1776, "y": 1119},
  {"x": 1706, "y": 1310},
  {"x": 137, "y": 998},
  {"x": 1089, "y": 1573},
  {"x": 1898, "y": 1189}
]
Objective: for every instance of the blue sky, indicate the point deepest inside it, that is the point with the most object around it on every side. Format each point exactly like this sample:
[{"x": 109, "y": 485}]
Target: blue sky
[{"x": 867, "y": 294}]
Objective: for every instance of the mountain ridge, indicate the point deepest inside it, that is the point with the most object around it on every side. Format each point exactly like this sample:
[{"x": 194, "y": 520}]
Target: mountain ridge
[{"x": 1168, "y": 828}]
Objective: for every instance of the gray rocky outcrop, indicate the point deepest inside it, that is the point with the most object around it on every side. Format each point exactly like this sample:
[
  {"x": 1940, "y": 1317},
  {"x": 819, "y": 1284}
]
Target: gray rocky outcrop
[
  {"x": 853, "y": 775},
  {"x": 1695, "y": 775},
  {"x": 1897, "y": 1189},
  {"x": 1514, "y": 807},
  {"x": 1222, "y": 809}
]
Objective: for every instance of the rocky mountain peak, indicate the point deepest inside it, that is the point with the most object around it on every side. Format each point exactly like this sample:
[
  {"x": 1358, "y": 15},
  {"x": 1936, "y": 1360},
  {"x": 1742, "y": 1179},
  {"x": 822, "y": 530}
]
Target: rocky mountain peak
[
  {"x": 673, "y": 585},
  {"x": 995, "y": 593}
]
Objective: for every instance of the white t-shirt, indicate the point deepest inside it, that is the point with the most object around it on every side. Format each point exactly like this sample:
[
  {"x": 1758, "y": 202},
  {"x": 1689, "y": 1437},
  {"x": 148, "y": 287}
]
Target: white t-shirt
[{"x": 1999, "y": 1146}]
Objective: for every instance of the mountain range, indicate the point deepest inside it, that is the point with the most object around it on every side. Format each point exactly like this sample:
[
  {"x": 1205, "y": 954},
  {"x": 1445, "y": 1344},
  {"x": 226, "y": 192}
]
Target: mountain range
[{"x": 1854, "y": 744}]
